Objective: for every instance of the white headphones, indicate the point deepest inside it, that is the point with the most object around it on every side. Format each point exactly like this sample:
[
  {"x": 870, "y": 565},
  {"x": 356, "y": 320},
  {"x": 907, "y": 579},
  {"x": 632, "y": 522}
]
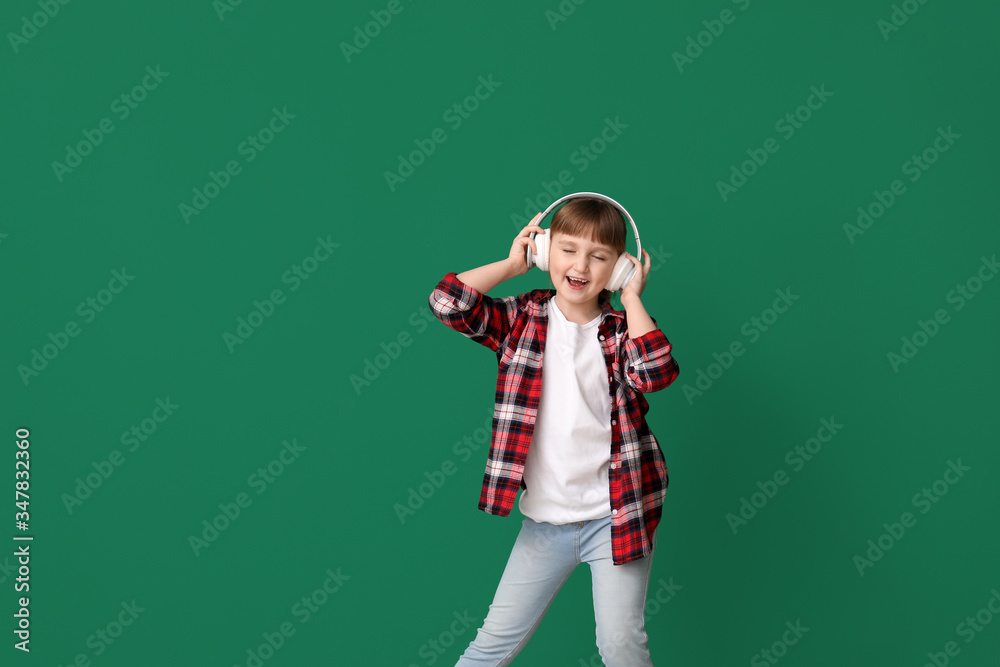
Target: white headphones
[{"x": 624, "y": 268}]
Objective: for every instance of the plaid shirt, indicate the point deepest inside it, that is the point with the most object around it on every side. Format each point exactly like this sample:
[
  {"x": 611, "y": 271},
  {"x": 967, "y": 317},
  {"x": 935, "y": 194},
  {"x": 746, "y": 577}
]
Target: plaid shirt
[{"x": 514, "y": 328}]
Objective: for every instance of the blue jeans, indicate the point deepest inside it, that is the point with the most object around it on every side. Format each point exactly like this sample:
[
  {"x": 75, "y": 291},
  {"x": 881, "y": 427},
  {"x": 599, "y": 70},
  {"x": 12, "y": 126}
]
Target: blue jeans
[{"x": 543, "y": 557}]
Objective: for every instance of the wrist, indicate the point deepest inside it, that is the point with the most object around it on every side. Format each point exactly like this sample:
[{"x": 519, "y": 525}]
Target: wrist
[{"x": 510, "y": 269}]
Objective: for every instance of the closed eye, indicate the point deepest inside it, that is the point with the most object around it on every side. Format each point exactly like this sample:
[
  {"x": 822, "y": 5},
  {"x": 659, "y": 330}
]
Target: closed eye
[{"x": 570, "y": 252}]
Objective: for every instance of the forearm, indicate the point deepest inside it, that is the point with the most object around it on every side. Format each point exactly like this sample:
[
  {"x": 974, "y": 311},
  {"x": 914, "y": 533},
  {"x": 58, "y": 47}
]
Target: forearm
[
  {"x": 649, "y": 362},
  {"x": 488, "y": 276},
  {"x": 639, "y": 321}
]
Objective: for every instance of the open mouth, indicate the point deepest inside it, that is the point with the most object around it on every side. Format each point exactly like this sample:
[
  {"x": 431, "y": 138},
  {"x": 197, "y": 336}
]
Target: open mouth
[{"x": 577, "y": 283}]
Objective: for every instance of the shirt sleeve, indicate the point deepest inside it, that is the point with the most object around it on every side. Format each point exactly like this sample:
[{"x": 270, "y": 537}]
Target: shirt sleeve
[
  {"x": 649, "y": 364},
  {"x": 465, "y": 309}
]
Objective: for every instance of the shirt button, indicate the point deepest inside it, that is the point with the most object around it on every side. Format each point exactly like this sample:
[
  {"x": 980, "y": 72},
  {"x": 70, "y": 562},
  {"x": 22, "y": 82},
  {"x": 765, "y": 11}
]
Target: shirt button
[
  {"x": 601, "y": 336},
  {"x": 613, "y": 422},
  {"x": 614, "y": 512},
  {"x": 613, "y": 466}
]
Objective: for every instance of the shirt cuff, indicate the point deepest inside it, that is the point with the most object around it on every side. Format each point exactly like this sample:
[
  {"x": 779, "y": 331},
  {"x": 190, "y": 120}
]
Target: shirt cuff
[
  {"x": 652, "y": 344},
  {"x": 466, "y": 297}
]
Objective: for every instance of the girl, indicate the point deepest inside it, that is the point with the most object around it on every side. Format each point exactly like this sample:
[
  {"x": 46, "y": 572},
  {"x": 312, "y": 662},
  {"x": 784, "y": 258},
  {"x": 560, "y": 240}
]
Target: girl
[{"x": 572, "y": 434}]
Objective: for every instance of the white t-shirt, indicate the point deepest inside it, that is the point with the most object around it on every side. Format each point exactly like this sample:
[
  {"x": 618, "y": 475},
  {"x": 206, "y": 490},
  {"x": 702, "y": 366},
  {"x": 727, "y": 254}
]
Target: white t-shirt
[{"x": 566, "y": 472}]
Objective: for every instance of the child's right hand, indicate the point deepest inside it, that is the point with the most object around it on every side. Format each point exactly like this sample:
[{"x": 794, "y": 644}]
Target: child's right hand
[{"x": 518, "y": 251}]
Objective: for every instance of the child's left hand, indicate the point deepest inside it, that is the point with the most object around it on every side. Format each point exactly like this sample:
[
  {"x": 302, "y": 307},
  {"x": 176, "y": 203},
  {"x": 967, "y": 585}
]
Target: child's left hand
[{"x": 638, "y": 282}]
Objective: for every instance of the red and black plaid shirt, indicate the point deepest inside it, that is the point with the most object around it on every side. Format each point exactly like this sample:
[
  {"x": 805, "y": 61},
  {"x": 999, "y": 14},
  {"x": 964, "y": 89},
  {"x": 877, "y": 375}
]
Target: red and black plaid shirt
[{"x": 514, "y": 328}]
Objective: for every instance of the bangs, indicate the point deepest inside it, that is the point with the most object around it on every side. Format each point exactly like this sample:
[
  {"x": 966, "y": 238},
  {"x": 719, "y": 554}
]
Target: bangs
[{"x": 593, "y": 218}]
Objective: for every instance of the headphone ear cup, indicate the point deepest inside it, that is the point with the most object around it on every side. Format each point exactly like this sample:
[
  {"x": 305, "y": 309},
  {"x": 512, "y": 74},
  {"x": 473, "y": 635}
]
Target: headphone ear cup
[
  {"x": 542, "y": 258},
  {"x": 622, "y": 273}
]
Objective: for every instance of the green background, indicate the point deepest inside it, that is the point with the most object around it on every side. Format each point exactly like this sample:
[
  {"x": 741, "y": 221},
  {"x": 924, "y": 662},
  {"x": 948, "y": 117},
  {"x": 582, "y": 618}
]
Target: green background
[{"x": 718, "y": 263}]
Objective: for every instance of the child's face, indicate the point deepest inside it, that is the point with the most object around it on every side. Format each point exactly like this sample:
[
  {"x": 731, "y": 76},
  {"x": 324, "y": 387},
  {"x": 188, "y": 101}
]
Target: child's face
[{"x": 584, "y": 258}]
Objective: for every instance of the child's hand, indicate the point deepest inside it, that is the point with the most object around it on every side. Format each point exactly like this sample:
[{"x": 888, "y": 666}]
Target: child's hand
[
  {"x": 638, "y": 282},
  {"x": 518, "y": 251}
]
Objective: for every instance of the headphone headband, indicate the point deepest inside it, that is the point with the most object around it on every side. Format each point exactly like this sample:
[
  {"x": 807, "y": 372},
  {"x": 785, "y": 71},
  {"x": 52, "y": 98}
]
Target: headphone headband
[{"x": 597, "y": 195}]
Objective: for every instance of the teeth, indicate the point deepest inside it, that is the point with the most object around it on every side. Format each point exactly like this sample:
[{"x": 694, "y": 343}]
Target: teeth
[{"x": 579, "y": 280}]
